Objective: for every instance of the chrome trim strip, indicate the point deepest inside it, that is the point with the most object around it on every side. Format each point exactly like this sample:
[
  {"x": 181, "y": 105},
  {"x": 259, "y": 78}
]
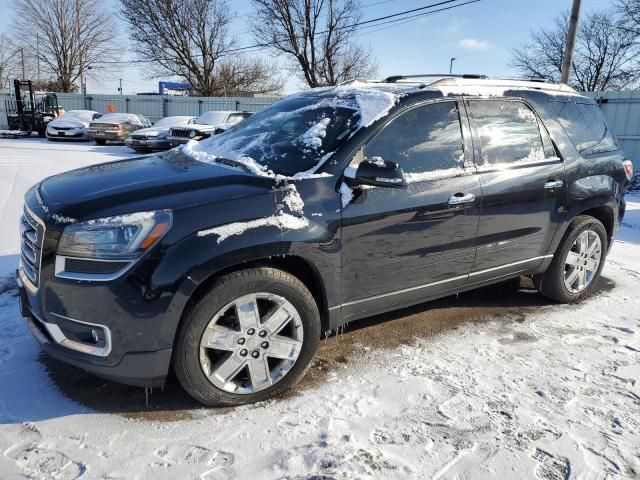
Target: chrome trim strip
[
  {"x": 397, "y": 292},
  {"x": 61, "y": 339},
  {"x": 25, "y": 279},
  {"x": 90, "y": 277},
  {"x": 375, "y": 297},
  {"x": 479, "y": 272}
]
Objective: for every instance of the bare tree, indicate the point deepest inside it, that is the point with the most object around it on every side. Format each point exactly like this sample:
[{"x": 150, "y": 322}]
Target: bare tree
[
  {"x": 317, "y": 36},
  {"x": 71, "y": 34},
  {"x": 629, "y": 12},
  {"x": 189, "y": 39},
  {"x": 8, "y": 55},
  {"x": 606, "y": 55}
]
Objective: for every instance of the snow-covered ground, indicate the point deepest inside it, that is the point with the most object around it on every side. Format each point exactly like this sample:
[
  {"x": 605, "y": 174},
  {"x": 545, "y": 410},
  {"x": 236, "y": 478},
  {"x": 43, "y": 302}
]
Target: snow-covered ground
[{"x": 495, "y": 383}]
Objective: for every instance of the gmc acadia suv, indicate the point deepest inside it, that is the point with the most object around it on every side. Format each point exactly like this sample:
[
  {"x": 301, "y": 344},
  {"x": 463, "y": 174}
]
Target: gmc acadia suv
[{"x": 225, "y": 260}]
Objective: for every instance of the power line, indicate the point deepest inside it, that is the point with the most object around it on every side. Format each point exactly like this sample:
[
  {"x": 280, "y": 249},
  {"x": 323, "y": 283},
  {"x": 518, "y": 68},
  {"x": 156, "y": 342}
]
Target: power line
[{"x": 370, "y": 23}]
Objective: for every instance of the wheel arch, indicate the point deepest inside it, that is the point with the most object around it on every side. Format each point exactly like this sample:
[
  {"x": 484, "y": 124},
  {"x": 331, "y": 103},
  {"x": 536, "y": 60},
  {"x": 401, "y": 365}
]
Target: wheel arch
[
  {"x": 297, "y": 266},
  {"x": 605, "y": 214}
]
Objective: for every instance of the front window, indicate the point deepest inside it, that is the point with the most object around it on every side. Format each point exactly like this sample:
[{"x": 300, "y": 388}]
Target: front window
[
  {"x": 423, "y": 140},
  {"x": 291, "y": 136}
]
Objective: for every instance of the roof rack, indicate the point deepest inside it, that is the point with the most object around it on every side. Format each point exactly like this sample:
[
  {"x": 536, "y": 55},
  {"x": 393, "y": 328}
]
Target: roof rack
[{"x": 396, "y": 78}]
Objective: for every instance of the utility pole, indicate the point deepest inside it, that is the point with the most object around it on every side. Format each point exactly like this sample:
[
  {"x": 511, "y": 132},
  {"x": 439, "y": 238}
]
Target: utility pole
[
  {"x": 22, "y": 61},
  {"x": 38, "y": 56},
  {"x": 453, "y": 59},
  {"x": 567, "y": 61}
]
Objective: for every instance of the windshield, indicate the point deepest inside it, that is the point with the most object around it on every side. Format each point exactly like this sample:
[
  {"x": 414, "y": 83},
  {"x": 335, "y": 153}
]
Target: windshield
[
  {"x": 115, "y": 118},
  {"x": 211, "y": 118},
  {"x": 84, "y": 115},
  {"x": 172, "y": 121},
  {"x": 291, "y": 136}
]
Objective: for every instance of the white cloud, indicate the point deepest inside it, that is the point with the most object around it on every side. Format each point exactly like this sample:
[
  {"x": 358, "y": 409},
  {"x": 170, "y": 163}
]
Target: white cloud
[{"x": 474, "y": 44}]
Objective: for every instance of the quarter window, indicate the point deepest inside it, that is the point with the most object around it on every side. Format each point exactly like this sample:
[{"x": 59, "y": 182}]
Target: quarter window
[
  {"x": 509, "y": 132},
  {"x": 424, "y": 139},
  {"x": 585, "y": 125}
]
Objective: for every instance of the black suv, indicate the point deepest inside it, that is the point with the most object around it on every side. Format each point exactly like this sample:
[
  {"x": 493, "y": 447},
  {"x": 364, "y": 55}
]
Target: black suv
[{"x": 226, "y": 260}]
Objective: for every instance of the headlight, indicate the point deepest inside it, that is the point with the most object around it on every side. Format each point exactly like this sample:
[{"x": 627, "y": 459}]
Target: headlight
[
  {"x": 192, "y": 133},
  {"x": 123, "y": 237}
]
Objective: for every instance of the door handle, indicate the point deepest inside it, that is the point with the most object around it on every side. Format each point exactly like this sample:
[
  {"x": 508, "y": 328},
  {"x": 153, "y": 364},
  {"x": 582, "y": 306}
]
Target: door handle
[
  {"x": 553, "y": 184},
  {"x": 460, "y": 198}
]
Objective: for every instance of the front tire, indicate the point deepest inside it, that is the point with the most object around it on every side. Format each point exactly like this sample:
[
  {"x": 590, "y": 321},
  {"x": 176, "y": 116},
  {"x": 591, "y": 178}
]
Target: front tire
[
  {"x": 577, "y": 264},
  {"x": 101, "y": 142},
  {"x": 250, "y": 338}
]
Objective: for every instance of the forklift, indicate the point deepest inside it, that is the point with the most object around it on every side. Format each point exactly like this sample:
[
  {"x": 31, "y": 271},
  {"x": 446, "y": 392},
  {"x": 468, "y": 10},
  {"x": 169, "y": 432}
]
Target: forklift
[{"x": 28, "y": 111}]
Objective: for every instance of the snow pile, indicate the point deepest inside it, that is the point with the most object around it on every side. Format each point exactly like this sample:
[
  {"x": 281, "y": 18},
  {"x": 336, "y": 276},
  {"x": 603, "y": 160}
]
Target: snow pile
[
  {"x": 437, "y": 174},
  {"x": 312, "y": 138}
]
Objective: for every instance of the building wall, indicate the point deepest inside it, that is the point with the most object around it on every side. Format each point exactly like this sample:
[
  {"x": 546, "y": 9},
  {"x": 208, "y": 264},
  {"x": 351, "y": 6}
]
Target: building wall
[{"x": 622, "y": 110}]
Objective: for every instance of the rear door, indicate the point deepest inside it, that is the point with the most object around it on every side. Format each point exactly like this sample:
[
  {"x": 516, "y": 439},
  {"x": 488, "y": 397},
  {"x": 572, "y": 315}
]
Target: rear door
[
  {"x": 405, "y": 244},
  {"x": 523, "y": 187}
]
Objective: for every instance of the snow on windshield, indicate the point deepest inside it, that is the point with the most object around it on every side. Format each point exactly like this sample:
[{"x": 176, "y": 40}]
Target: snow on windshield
[
  {"x": 77, "y": 114},
  {"x": 299, "y": 133}
]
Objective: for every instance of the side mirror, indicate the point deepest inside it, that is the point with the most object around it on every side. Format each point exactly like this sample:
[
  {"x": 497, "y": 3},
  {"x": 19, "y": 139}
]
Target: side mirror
[{"x": 380, "y": 174}]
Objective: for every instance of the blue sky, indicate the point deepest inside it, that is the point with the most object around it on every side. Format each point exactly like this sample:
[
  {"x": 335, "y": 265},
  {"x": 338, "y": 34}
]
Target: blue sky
[{"x": 479, "y": 36}]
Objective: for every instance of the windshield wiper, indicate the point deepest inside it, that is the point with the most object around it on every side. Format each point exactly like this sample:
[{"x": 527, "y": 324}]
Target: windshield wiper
[{"x": 233, "y": 163}]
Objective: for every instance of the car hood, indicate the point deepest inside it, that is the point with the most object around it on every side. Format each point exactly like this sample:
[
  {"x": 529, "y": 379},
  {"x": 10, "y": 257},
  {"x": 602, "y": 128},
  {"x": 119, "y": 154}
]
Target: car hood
[
  {"x": 152, "y": 131},
  {"x": 202, "y": 127},
  {"x": 68, "y": 123},
  {"x": 170, "y": 180}
]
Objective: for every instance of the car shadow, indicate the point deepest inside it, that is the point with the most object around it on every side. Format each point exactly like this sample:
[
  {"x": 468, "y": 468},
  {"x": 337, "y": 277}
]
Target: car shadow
[{"x": 508, "y": 301}]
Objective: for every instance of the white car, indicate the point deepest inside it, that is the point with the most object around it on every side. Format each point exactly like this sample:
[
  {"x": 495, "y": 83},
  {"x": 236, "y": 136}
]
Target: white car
[
  {"x": 156, "y": 137},
  {"x": 207, "y": 124},
  {"x": 72, "y": 125}
]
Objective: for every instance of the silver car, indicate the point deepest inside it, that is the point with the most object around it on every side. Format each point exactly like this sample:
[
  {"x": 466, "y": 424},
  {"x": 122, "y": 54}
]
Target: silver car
[
  {"x": 207, "y": 124},
  {"x": 156, "y": 137},
  {"x": 72, "y": 125}
]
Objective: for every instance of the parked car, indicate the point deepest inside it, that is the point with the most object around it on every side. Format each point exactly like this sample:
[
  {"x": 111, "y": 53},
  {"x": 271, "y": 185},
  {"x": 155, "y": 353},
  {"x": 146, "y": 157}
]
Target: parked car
[
  {"x": 207, "y": 124},
  {"x": 156, "y": 137},
  {"x": 72, "y": 125},
  {"x": 225, "y": 261},
  {"x": 116, "y": 127}
]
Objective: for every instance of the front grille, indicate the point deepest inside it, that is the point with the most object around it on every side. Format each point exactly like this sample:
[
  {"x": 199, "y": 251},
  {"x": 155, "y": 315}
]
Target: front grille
[
  {"x": 180, "y": 132},
  {"x": 62, "y": 129},
  {"x": 31, "y": 239}
]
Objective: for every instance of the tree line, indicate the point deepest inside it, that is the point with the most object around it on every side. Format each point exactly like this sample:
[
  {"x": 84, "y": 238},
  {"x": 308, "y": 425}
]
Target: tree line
[{"x": 58, "y": 42}]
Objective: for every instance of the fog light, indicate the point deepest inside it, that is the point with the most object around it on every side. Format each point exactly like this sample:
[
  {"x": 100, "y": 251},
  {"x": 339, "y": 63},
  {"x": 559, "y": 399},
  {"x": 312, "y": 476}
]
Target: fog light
[{"x": 94, "y": 336}]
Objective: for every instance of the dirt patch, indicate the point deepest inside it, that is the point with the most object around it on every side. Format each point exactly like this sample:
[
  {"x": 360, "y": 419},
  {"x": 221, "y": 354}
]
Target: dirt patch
[{"x": 509, "y": 301}]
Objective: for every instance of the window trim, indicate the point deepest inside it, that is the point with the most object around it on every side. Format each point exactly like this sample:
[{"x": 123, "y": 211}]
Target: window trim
[{"x": 513, "y": 165}]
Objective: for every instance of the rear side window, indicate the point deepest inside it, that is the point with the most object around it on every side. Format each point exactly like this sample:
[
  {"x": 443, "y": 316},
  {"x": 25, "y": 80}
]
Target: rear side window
[
  {"x": 424, "y": 139},
  {"x": 509, "y": 132},
  {"x": 586, "y": 127}
]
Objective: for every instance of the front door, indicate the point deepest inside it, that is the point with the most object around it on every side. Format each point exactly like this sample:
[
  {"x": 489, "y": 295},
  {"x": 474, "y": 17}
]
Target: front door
[
  {"x": 403, "y": 245},
  {"x": 523, "y": 191}
]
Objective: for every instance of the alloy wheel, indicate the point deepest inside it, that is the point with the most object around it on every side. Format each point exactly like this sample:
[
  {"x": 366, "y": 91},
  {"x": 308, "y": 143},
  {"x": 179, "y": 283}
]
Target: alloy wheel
[
  {"x": 251, "y": 343},
  {"x": 583, "y": 261}
]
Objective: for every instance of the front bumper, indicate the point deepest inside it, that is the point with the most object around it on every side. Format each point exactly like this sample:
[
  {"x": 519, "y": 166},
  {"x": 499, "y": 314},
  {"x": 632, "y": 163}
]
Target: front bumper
[
  {"x": 67, "y": 134},
  {"x": 140, "y": 369},
  {"x": 147, "y": 144},
  {"x": 106, "y": 135}
]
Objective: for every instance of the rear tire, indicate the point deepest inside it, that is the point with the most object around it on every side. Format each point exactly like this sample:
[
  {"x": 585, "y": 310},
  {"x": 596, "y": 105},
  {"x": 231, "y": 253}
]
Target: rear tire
[
  {"x": 214, "y": 352},
  {"x": 101, "y": 142},
  {"x": 573, "y": 272}
]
